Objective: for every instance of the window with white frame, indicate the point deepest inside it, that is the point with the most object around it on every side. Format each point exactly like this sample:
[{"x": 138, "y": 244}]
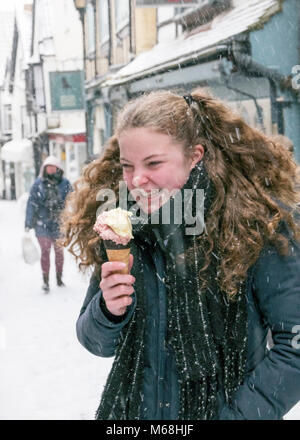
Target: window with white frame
[
  {"x": 91, "y": 27},
  {"x": 121, "y": 13},
  {"x": 25, "y": 121},
  {"x": 7, "y": 122},
  {"x": 103, "y": 12}
]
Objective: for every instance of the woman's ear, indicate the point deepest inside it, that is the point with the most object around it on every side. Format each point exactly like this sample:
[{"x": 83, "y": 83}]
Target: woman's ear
[{"x": 197, "y": 155}]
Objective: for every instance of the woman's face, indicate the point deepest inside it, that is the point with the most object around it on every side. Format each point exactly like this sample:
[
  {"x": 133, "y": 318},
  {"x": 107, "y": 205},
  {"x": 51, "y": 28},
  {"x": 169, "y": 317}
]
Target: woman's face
[
  {"x": 51, "y": 169},
  {"x": 154, "y": 166}
]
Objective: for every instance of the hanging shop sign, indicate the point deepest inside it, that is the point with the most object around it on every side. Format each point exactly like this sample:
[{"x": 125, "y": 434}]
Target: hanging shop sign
[{"x": 66, "y": 90}]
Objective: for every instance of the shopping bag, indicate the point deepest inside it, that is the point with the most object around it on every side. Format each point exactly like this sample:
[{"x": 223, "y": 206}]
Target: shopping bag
[{"x": 30, "y": 251}]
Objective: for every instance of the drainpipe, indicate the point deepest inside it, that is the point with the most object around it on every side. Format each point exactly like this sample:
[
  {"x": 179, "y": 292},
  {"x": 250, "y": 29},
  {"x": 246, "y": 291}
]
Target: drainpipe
[
  {"x": 226, "y": 72},
  {"x": 259, "y": 109},
  {"x": 246, "y": 63}
]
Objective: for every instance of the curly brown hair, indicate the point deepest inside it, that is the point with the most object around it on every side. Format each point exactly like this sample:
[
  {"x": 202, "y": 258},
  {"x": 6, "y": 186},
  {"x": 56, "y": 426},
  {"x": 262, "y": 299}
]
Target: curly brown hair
[{"x": 254, "y": 178}]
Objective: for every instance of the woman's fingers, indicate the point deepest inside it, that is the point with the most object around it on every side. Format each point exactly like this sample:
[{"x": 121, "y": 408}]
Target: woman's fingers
[
  {"x": 130, "y": 262},
  {"x": 116, "y": 279},
  {"x": 115, "y": 266},
  {"x": 110, "y": 267},
  {"x": 116, "y": 305},
  {"x": 119, "y": 290},
  {"x": 116, "y": 287}
]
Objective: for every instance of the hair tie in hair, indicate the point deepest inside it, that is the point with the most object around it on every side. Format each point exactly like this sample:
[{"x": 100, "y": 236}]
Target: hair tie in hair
[{"x": 188, "y": 99}]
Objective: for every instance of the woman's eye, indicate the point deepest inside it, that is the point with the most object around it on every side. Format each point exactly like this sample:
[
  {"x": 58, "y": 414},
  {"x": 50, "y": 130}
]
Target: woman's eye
[
  {"x": 126, "y": 165},
  {"x": 153, "y": 164}
]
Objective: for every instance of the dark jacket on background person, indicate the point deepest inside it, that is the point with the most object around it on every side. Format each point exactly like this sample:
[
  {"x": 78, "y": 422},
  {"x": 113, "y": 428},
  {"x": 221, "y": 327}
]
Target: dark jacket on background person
[
  {"x": 272, "y": 382},
  {"x": 46, "y": 201}
]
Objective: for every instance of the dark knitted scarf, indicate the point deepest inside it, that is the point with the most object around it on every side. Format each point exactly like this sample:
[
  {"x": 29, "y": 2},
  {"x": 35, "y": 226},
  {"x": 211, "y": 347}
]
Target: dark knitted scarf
[
  {"x": 207, "y": 332},
  {"x": 53, "y": 201}
]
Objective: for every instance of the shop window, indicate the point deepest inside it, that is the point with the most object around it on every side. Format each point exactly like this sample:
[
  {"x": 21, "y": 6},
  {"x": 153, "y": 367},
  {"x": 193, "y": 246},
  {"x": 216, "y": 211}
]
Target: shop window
[
  {"x": 62, "y": 154},
  {"x": 39, "y": 87},
  {"x": 54, "y": 149},
  {"x": 7, "y": 118},
  {"x": 24, "y": 128},
  {"x": 71, "y": 153}
]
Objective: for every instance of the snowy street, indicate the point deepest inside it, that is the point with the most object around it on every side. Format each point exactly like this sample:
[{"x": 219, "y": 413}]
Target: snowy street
[{"x": 45, "y": 373}]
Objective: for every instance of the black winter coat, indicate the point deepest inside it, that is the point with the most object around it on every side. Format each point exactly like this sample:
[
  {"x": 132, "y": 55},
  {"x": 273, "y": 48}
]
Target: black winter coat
[{"x": 272, "y": 384}]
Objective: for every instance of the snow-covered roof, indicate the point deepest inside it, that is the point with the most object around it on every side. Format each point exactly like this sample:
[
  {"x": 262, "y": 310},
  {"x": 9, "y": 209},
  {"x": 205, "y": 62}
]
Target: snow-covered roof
[
  {"x": 17, "y": 150},
  {"x": 7, "y": 27},
  {"x": 244, "y": 16}
]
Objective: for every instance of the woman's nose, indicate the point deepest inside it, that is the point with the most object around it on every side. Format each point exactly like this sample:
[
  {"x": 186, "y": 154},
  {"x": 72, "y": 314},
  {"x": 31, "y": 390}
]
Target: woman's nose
[{"x": 139, "y": 179}]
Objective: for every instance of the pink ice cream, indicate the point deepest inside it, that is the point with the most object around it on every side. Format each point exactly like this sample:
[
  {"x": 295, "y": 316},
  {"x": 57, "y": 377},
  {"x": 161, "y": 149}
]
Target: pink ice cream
[
  {"x": 106, "y": 233},
  {"x": 114, "y": 225}
]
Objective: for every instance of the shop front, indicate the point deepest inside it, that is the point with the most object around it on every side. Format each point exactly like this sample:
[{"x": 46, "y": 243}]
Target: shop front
[
  {"x": 18, "y": 167},
  {"x": 230, "y": 57},
  {"x": 70, "y": 149}
]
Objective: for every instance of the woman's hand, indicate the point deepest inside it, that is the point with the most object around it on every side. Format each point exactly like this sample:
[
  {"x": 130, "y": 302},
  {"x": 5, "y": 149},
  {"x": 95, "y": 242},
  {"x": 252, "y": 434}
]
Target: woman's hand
[{"x": 116, "y": 288}]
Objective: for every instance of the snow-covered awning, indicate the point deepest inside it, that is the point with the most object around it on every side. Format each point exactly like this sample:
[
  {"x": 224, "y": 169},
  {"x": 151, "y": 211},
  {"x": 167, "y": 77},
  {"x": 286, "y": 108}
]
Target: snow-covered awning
[
  {"x": 18, "y": 150},
  {"x": 62, "y": 135},
  {"x": 66, "y": 131},
  {"x": 246, "y": 15}
]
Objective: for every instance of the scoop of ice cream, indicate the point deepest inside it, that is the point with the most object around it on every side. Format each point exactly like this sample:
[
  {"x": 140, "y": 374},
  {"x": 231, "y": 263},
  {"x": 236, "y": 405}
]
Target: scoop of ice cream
[
  {"x": 114, "y": 225},
  {"x": 106, "y": 233}
]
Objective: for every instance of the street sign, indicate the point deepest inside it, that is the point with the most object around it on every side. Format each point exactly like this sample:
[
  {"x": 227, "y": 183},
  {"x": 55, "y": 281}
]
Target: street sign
[{"x": 181, "y": 3}]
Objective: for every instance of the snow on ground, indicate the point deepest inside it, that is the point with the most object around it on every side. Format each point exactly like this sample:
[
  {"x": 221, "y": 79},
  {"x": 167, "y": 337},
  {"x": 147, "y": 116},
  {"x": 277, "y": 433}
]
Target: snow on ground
[
  {"x": 44, "y": 371},
  {"x": 45, "y": 374}
]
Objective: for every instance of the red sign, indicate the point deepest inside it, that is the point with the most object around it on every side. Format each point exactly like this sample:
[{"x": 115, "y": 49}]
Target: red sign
[{"x": 61, "y": 139}]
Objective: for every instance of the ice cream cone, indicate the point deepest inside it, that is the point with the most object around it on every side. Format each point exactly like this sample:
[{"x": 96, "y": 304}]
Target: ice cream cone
[
  {"x": 118, "y": 252},
  {"x": 115, "y": 229}
]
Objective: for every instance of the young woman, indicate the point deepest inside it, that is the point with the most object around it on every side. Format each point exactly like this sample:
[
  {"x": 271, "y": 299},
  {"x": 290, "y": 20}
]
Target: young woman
[{"x": 188, "y": 325}]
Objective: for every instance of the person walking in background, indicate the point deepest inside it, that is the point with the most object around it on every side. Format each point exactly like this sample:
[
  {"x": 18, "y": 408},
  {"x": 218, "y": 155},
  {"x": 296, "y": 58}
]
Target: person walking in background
[{"x": 44, "y": 206}]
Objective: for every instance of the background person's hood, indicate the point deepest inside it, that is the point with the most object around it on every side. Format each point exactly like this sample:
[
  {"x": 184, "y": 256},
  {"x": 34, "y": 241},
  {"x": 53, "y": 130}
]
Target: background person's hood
[{"x": 50, "y": 160}]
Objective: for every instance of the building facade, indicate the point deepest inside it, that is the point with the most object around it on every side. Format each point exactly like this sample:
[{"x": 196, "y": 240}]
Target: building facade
[
  {"x": 16, "y": 152},
  {"x": 42, "y": 95},
  {"x": 234, "y": 48},
  {"x": 56, "y": 82},
  {"x": 7, "y": 24},
  {"x": 115, "y": 32}
]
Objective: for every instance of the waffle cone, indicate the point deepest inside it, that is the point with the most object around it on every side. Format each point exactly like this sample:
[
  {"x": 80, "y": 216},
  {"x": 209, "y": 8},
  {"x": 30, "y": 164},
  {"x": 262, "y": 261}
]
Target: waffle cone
[{"x": 119, "y": 255}]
